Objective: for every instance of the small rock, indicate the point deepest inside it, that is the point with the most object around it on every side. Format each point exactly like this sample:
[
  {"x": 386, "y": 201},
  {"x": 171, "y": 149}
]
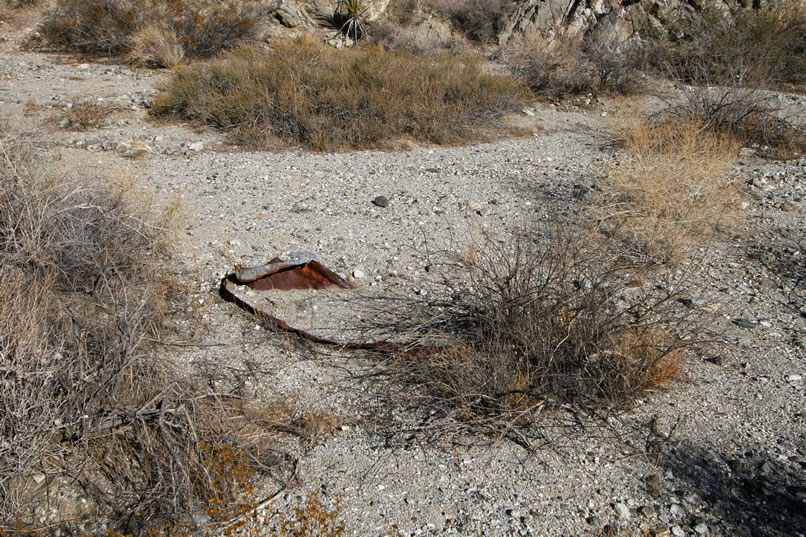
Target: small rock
[
  {"x": 741, "y": 322},
  {"x": 196, "y": 146},
  {"x": 358, "y": 274},
  {"x": 381, "y": 201},
  {"x": 677, "y": 531},
  {"x": 63, "y": 124},
  {"x": 647, "y": 511},
  {"x": 595, "y": 520},
  {"x": 676, "y": 510},
  {"x": 716, "y": 360},
  {"x": 528, "y": 112},
  {"x": 701, "y": 528},
  {"x": 622, "y": 510},
  {"x": 793, "y": 377}
]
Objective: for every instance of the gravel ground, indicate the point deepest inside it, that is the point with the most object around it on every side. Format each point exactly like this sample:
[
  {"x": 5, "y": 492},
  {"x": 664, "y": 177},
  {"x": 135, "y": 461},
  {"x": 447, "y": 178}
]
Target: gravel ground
[{"x": 722, "y": 452}]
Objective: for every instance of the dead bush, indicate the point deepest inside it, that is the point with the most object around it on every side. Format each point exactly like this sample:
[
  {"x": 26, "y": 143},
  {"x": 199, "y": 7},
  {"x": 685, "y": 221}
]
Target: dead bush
[
  {"x": 751, "y": 115},
  {"x": 329, "y": 99},
  {"x": 86, "y": 401},
  {"x": 537, "y": 323},
  {"x": 572, "y": 66},
  {"x": 672, "y": 189},
  {"x": 83, "y": 115},
  {"x": 202, "y": 28}
]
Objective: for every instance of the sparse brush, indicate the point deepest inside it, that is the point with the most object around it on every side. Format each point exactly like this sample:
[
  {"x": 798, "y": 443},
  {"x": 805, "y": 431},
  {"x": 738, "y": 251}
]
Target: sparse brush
[
  {"x": 330, "y": 99},
  {"x": 202, "y": 29},
  {"x": 480, "y": 20},
  {"x": 574, "y": 65},
  {"x": 85, "y": 399},
  {"x": 751, "y": 115},
  {"x": 671, "y": 191},
  {"x": 85, "y": 115},
  {"x": 739, "y": 47},
  {"x": 541, "y": 323}
]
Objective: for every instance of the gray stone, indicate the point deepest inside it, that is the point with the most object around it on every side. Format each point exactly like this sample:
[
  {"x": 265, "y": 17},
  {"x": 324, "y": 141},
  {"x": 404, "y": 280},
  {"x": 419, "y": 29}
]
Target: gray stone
[
  {"x": 196, "y": 146},
  {"x": 677, "y": 531},
  {"x": 622, "y": 510},
  {"x": 677, "y": 510},
  {"x": 381, "y": 201}
]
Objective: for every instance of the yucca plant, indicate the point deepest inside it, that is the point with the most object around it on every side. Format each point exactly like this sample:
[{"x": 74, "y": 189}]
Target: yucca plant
[{"x": 353, "y": 12}]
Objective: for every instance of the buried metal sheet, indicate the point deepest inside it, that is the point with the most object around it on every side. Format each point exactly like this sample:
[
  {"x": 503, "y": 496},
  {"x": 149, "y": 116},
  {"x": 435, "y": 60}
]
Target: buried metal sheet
[{"x": 300, "y": 272}]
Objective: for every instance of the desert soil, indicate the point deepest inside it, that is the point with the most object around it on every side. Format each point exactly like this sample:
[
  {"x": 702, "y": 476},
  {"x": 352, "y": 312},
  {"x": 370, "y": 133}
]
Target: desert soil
[{"x": 720, "y": 452}]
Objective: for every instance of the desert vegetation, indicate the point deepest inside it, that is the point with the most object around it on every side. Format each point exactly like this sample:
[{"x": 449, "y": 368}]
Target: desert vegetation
[
  {"x": 86, "y": 397},
  {"x": 328, "y": 100},
  {"x": 156, "y": 32},
  {"x": 580, "y": 317}
]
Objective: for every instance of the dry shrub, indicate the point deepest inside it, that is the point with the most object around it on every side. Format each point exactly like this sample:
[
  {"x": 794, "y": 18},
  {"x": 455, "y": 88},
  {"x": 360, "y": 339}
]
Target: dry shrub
[
  {"x": 544, "y": 321},
  {"x": 203, "y": 28},
  {"x": 85, "y": 398},
  {"x": 671, "y": 191},
  {"x": 16, "y": 4},
  {"x": 156, "y": 46},
  {"x": 83, "y": 115},
  {"x": 752, "y": 116},
  {"x": 329, "y": 99},
  {"x": 572, "y": 66},
  {"x": 756, "y": 48},
  {"x": 479, "y": 20}
]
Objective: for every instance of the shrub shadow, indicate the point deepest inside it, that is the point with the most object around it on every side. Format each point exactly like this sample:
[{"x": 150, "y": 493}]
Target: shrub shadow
[{"x": 751, "y": 492}]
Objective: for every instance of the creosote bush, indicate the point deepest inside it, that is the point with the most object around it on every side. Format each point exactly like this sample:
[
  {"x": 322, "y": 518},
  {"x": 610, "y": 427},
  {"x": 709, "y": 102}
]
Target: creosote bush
[
  {"x": 328, "y": 99},
  {"x": 85, "y": 398},
  {"x": 201, "y": 28},
  {"x": 671, "y": 191}
]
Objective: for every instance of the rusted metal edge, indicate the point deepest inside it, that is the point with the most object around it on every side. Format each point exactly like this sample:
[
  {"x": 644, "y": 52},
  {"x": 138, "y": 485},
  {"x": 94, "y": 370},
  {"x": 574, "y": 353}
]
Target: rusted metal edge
[{"x": 386, "y": 347}]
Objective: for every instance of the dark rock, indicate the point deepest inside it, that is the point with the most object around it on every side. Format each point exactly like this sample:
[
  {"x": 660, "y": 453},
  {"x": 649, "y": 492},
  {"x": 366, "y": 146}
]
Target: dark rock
[
  {"x": 741, "y": 322},
  {"x": 381, "y": 201}
]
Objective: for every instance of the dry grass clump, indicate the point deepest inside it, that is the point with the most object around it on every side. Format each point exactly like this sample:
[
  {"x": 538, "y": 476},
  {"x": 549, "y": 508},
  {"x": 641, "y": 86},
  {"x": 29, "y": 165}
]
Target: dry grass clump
[
  {"x": 157, "y": 45},
  {"x": 672, "y": 191},
  {"x": 328, "y": 99},
  {"x": 542, "y": 322},
  {"x": 201, "y": 28},
  {"x": 85, "y": 400},
  {"x": 572, "y": 65}
]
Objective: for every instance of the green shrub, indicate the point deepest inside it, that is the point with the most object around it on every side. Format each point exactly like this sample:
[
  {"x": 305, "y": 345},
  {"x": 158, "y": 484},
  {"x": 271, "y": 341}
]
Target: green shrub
[
  {"x": 203, "y": 27},
  {"x": 328, "y": 99}
]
